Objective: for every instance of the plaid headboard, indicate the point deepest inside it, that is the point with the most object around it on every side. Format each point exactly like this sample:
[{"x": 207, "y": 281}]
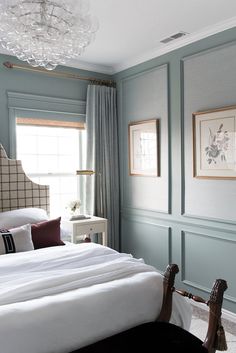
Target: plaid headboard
[{"x": 16, "y": 189}]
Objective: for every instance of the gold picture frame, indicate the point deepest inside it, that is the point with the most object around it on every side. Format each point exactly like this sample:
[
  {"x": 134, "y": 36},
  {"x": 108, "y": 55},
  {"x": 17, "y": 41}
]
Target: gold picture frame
[
  {"x": 144, "y": 148},
  {"x": 214, "y": 143}
]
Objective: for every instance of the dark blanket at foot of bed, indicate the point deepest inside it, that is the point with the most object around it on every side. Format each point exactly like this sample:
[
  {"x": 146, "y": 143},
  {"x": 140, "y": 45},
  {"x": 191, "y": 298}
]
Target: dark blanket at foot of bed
[{"x": 151, "y": 337}]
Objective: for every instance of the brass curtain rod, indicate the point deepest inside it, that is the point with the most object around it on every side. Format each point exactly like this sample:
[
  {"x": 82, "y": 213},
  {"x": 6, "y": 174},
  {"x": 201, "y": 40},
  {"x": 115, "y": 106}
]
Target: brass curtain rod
[{"x": 10, "y": 65}]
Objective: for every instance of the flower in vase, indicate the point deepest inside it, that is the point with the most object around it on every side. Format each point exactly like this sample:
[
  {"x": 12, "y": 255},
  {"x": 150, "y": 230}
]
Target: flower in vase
[{"x": 74, "y": 205}]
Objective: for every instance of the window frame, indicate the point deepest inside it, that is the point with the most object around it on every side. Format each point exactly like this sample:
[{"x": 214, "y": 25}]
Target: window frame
[
  {"x": 55, "y": 175},
  {"x": 41, "y": 107},
  {"x": 25, "y": 105}
]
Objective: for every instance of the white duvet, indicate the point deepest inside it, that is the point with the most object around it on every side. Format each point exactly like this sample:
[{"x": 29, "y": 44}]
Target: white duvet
[{"x": 57, "y": 299}]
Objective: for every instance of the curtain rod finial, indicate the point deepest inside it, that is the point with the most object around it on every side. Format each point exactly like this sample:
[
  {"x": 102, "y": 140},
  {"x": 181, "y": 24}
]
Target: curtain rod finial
[{"x": 8, "y": 64}]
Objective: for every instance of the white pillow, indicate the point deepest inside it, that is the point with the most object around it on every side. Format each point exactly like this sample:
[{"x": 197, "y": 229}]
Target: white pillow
[
  {"x": 17, "y": 218},
  {"x": 65, "y": 234},
  {"x": 16, "y": 240}
]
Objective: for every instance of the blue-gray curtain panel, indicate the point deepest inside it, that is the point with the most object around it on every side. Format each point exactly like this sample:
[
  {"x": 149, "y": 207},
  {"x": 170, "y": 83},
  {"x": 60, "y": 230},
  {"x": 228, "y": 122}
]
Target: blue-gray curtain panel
[{"x": 102, "y": 189}]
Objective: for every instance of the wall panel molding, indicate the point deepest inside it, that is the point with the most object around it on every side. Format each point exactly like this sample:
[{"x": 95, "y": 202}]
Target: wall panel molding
[
  {"x": 151, "y": 233},
  {"x": 209, "y": 50},
  {"x": 199, "y": 197},
  {"x": 190, "y": 221},
  {"x": 144, "y": 72},
  {"x": 143, "y": 105},
  {"x": 196, "y": 273},
  {"x": 218, "y": 220},
  {"x": 182, "y": 62}
]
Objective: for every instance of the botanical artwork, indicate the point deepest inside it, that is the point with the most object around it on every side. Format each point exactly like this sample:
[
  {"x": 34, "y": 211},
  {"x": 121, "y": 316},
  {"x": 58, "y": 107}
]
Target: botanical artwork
[
  {"x": 218, "y": 146},
  {"x": 214, "y": 143},
  {"x": 144, "y": 148}
]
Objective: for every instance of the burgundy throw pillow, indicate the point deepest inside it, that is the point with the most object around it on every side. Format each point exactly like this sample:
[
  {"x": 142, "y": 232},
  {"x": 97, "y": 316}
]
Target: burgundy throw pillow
[{"x": 47, "y": 233}]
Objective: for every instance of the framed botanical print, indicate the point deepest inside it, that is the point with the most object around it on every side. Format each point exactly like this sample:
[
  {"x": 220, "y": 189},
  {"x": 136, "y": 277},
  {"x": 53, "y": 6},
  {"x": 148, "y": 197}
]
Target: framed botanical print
[
  {"x": 144, "y": 149},
  {"x": 214, "y": 143}
]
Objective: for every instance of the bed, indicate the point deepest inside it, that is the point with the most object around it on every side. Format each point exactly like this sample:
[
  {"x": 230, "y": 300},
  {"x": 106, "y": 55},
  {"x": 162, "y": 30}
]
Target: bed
[{"x": 59, "y": 297}]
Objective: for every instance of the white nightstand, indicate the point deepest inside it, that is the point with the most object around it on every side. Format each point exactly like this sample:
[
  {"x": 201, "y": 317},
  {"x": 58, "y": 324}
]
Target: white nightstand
[{"x": 87, "y": 226}]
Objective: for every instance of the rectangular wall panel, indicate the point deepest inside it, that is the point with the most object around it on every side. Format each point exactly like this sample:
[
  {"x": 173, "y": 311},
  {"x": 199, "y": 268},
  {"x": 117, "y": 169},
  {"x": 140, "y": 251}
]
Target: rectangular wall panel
[
  {"x": 209, "y": 83},
  {"x": 203, "y": 260},
  {"x": 144, "y": 97},
  {"x": 147, "y": 240}
]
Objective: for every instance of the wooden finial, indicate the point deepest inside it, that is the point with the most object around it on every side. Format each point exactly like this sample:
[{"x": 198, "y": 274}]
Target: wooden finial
[
  {"x": 168, "y": 288},
  {"x": 8, "y": 64}
]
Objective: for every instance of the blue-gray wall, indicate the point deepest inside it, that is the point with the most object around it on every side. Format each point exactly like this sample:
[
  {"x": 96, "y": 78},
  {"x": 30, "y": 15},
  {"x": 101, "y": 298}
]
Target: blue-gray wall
[{"x": 176, "y": 217}]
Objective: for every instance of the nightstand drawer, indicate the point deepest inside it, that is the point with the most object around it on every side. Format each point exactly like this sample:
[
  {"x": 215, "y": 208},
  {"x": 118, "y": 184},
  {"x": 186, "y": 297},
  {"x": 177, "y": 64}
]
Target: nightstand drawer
[{"x": 80, "y": 229}]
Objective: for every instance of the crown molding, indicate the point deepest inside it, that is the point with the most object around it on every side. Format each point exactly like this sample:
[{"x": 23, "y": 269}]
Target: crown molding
[
  {"x": 190, "y": 38},
  {"x": 82, "y": 65}
]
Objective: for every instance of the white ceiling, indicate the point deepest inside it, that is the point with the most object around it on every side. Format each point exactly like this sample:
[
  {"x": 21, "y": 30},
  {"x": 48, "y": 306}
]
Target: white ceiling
[{"x": 130, "y": 30}]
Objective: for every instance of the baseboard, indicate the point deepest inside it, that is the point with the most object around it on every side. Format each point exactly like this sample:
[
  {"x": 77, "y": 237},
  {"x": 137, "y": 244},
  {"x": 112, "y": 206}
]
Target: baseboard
[{"x": 226, "y": 314}]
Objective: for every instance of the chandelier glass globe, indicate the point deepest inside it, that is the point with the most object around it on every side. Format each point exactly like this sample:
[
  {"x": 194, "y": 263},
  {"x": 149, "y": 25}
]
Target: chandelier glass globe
[{"x": 46, "y": 33}]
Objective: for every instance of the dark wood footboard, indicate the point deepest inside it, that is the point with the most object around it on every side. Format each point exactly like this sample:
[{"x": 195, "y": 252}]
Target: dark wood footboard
[
  {"x": 162, "y": 336},
  {"x": 215, "y": 337}
]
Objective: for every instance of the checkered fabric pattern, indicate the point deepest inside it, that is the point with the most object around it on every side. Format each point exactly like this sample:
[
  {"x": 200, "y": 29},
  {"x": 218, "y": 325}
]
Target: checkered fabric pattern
[{"x": 16, "y": 189}]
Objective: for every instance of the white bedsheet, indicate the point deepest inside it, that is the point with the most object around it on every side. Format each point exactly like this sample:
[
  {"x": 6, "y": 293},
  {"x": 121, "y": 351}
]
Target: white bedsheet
[{"x": 57, "y": 299}]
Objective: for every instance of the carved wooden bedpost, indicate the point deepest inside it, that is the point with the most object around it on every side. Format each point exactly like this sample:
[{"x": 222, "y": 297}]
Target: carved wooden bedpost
[
  {"x": 168, "y": 286},
  {"x": 215, "y": 338}
]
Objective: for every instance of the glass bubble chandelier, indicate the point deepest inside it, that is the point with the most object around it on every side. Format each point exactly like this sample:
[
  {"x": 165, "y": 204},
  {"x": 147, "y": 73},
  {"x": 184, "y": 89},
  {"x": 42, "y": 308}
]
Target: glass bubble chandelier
[{"x": 46, "y": 33}]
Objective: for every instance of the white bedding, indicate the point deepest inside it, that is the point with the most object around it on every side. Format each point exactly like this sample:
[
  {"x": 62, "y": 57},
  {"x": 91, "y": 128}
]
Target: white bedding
[{"x": 57, "y": 299}]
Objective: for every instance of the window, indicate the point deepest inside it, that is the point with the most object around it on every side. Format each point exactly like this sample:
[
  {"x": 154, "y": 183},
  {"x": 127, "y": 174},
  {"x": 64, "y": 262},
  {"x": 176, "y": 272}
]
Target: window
[{"x": 51, "y": 152}]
